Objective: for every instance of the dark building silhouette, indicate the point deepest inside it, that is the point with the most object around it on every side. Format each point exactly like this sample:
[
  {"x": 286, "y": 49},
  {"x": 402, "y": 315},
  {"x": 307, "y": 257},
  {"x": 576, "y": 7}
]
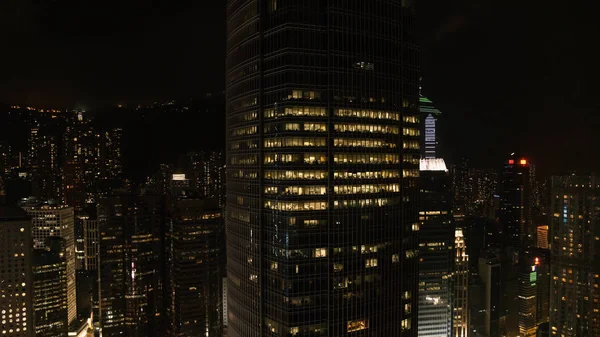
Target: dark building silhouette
[
  {"x": 515, "y": 210},
  {"x": 195, "y": 237},
  {"x": 50, "y": 289},
  {"x": 322, "y": 168},
  {"x": 575, "y": 245},
  {"x": 130, "y": 265}
]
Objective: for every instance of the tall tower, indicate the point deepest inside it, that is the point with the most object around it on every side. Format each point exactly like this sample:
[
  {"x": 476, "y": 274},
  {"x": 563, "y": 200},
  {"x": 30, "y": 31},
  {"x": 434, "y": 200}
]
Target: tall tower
[
  {"x": 575, "y": 272},
  {"x": 515, "y": 216},
  {"x": 436, "y": 229},
  {"x": 322, "y": 168},
  {"x": 16, "y": 303}
]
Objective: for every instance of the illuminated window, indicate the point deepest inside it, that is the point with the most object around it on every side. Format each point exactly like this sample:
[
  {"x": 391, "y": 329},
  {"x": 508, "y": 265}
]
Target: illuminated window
[
  {"x": 370, "y": 263},
  {"x": 357, "y": 325},
  {"x": 395, "y": 258},
  {"x": 320, "y": 252}
]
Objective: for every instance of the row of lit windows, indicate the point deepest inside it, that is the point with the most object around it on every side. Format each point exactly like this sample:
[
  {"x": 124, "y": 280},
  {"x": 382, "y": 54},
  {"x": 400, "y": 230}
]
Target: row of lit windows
[
  {"x": 366, "y": 158},
  {"x": 322, "y": 190},
  {"x": 378, "y": 202},
  {"x": 385, "y": 174},
  {"x": 244, "y": 131},
  {"x": 308, "y": 158},
  {"x": 295, "y": 175},
  {"x": 366, "y": 188},
  {"x": 410, "y": 173},
  {"x": 304, "y": 94},
  {"x": 368, "y": 128},
  {"x": 358, "y": 142},
  {"x": 296, "y": 142},
  {"x": 411, "y": 144},
  {"x": 296, "y": 111},
  {"x": 322, "y": 205},
  {"x": 411, "y": 132},
  {"x": 373, "y": 114},
  {"x": 410, "y": 119},
  {"x": 314, "y": 127},
  {"x": 296, "y": 205},
  {"x": 297, "y": 190},
  {"x": 246, "y": 174}
]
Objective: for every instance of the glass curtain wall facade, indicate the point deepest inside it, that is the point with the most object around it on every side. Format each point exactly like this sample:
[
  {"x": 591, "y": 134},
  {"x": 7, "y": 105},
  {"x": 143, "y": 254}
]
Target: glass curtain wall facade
[{"x": 322, "y": 168}]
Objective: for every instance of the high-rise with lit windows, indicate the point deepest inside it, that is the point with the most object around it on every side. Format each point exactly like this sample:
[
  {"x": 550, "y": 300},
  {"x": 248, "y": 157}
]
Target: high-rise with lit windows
[
  {"x": 16, "y": 280},
  {"x": 56, "y": 220},
  {"x": 436, "y": 229},
  {"x": 575, "y": 272},
  {"x": 50, "y": 289},
  {"x": 322, "y": 168}
]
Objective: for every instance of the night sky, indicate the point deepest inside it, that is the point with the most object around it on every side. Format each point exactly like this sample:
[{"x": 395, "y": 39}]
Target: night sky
[{"x": 508, "y": 75}]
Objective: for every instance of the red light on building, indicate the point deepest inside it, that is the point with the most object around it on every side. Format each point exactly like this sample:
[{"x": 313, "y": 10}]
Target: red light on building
[
  {"x": 511, "y": 162},
  {"x": 536, "y": 261},
  {"x": 523, "y": 162}
]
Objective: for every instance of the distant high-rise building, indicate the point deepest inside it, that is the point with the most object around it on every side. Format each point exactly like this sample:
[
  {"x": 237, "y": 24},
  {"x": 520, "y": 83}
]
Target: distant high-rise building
[
  {"x": 130, "y": 265},
  {"x": 515, "y": 216},
  {"x": 50, "y": 289},
  {"x": 429, "y": 136},
  {"x": 460, "y": 279},
  {"x": 16, "y": 279},
  {"x": 436, "y": 260},
  {"x": 574, "y": 221},
  {"x": 56, "y": 220},
  {"x": 195, "y": 237},
  {"x": 534, "y": 282},
  {"x": 542, "y": 237},
  {"x": 208, "y": 170},
  {"x": 322, "y": 168}
]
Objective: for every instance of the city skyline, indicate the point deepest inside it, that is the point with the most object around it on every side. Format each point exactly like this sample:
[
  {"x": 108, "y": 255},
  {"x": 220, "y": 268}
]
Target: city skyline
[
  {"x": 125, "y": 63},
  {"x": 299, "y": 168}
]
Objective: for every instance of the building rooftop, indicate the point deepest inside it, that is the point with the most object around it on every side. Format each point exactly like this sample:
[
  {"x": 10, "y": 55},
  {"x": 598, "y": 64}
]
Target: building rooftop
[{"x": 433, "y": 164}]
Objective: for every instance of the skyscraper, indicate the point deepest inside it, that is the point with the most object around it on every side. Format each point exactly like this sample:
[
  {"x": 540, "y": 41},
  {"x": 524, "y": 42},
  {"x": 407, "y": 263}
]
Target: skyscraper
[
  {"x": 130, "y": 262},
  {"x": 575, "y": 232},
  {"x": 194, "y": 244},
  {"x": 16, "y": 302},
  {"x": 322, "y": 168},
  {"x": 56, "y": 220},
  {"x": 436, "y": 229},
  {"x": 515, "y": 216},
  {"x": 50, "y": 289}
]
